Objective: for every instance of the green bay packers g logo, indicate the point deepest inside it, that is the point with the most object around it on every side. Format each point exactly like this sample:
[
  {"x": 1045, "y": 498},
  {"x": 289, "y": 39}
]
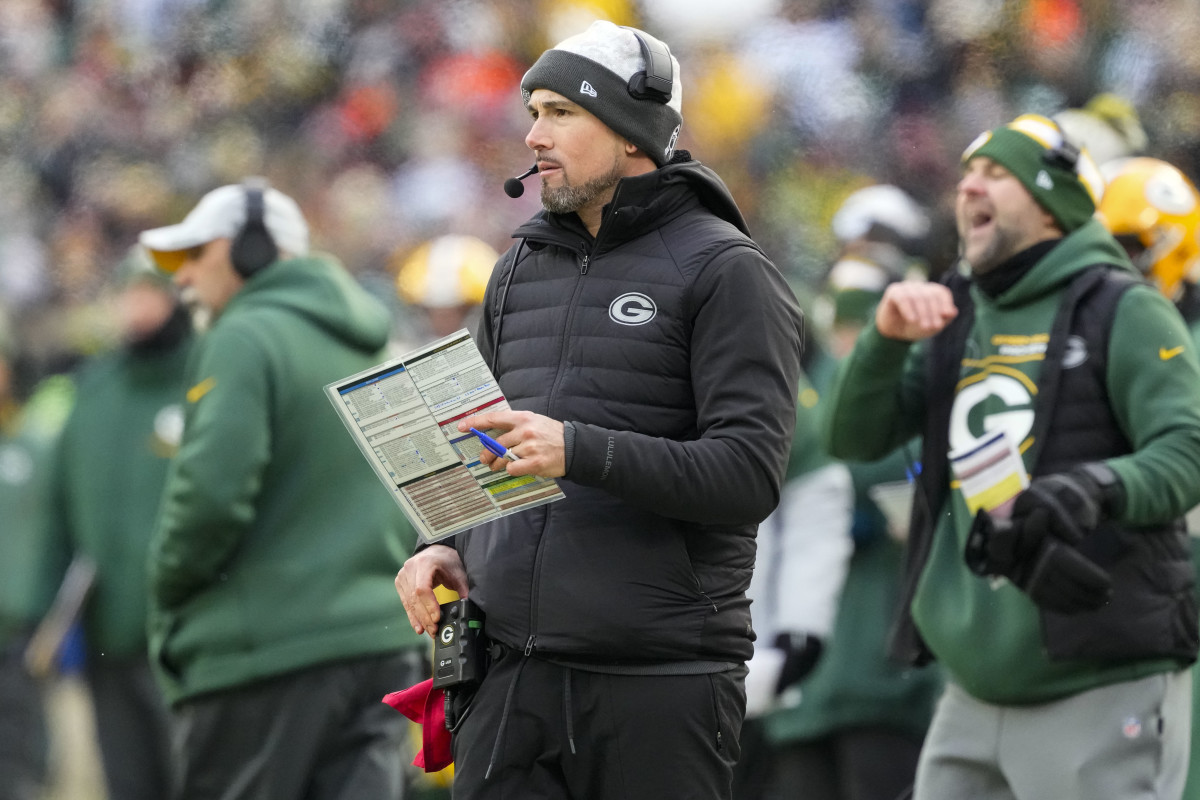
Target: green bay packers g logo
[
  {"x": 632, "y": 308},
  {"x": 992, "y": 402},
  {"x": 16, "y": 465},
  {"x": 447, "y": 634}
]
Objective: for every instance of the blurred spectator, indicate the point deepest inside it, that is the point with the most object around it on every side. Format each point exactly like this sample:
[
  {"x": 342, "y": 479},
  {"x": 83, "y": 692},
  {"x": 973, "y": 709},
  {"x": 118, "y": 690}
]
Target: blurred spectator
[
  {"x": 441, "y": 283},
  {"x": 1107, "y": 125},
  {"x": 800, "y": 567},
  {"x": 1153, "y": 210},
  {"x": 853, "y": 729},
  {"x": 27, "y": 586},
  {"x": 128, "y": 412}
]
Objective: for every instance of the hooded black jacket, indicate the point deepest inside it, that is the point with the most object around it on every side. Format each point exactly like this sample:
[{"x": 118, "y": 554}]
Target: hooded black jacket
[{"x": 672, "y": 344}]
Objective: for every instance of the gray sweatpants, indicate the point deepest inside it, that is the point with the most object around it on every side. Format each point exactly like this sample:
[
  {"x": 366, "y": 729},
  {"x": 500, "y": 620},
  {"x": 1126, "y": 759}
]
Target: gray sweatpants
[{"x": 1126, "y": 741}]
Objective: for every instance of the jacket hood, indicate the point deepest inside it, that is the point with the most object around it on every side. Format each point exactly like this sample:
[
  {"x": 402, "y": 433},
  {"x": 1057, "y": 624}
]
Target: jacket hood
[
  {"x": 1084, "y": 247},
  {"x": 319, "y": 289},
  {"x": 684, "y": 171},
  {"x": 648, "y": 199}
]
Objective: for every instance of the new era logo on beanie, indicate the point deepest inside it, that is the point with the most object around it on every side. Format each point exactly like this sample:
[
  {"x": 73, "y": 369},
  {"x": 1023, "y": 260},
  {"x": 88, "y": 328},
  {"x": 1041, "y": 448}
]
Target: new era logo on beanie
[
  {"x": 596, "y": 69},
  {"x": 1062, "y": 179}
]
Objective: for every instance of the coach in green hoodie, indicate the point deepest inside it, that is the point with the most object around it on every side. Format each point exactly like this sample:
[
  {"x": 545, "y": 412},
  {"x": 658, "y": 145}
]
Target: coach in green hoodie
[
  {"x": 1063, "y": 612},
  {"x": 274, "y": 625}
]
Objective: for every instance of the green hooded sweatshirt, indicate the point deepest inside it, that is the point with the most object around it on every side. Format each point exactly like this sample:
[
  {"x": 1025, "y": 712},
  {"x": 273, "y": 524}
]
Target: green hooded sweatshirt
[
  {"x": 987, "y": 633},
  {"x": 107, "y": 479},
  {"x": 27, "y": 578},
  {"x": 276, "y": 547}
]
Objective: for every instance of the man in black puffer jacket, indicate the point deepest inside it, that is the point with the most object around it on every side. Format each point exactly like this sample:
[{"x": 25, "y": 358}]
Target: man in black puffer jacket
[{"x": 651, "y": 355}]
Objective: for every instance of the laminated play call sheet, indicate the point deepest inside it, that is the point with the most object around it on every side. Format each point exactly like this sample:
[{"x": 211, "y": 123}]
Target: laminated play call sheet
[{"x": 403, "y": 414}]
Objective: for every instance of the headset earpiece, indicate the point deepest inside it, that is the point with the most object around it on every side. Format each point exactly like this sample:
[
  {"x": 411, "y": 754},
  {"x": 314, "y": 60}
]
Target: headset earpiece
[
  {"x": 657, "y": 81},
  {"x": 1065, "y": 155},
  {"x": 253, "y": 248}
]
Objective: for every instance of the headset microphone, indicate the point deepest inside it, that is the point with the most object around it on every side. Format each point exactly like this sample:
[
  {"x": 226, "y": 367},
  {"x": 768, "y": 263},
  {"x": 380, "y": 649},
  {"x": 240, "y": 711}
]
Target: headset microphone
[{"x": 513, "y": 186}]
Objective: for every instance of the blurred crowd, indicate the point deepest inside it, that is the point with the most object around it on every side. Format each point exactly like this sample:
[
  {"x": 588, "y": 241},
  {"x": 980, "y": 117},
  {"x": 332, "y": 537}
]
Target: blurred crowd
[{"x": 393, "y": 121}]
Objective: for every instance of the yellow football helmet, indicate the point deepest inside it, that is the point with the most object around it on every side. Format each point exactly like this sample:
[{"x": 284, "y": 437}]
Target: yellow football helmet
[
  {"x": 445, "y": 272},
  {"x": 1154, "y": 211}
]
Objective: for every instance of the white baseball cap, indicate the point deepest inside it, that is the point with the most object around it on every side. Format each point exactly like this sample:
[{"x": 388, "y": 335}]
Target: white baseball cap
[{"x": 221, "y": 214}]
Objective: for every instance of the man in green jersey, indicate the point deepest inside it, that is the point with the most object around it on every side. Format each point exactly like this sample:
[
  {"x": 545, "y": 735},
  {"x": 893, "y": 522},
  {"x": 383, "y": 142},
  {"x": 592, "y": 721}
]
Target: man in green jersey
[{"x": 1054, "y": 584}]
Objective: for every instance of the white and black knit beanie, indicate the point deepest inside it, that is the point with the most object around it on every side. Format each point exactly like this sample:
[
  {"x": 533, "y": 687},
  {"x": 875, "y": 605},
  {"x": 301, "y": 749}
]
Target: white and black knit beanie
[{"x": 595, "y": 69}]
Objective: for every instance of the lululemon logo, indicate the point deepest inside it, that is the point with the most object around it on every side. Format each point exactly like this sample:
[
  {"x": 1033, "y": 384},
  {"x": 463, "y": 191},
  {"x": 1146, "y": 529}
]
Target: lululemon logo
[{"x": 632, "y": 308}]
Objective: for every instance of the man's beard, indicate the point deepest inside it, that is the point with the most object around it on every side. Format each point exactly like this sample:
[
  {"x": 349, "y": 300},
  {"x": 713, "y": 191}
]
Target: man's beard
[
  {"x": 1002, "y": 246},
  {"x": 567, "y": 199}
]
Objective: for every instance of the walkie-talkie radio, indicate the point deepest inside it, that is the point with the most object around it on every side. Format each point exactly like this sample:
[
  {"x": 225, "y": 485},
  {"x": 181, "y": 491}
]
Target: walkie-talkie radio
[{"x": 458, "y": 648}]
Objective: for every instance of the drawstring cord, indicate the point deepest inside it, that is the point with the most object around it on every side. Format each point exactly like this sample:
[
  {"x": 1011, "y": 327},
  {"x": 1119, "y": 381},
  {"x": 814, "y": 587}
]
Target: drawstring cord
[{"x": 512, "y": 688}]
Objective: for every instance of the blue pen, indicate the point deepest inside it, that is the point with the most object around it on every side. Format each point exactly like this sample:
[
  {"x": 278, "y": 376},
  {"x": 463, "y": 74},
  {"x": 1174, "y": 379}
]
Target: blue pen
[{"x": 495, "y": 447}]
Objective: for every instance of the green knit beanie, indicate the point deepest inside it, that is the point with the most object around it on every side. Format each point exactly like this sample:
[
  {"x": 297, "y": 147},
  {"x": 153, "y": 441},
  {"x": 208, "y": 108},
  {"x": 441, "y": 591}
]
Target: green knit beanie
[{"x": 1063, "y": 180}]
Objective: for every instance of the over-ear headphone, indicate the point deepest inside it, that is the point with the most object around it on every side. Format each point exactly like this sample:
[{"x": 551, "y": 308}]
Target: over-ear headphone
[
  {"x": 657, "y": 81},
  {"x": 1065, "y": 155},
  {"x": 253, "y": 248}
]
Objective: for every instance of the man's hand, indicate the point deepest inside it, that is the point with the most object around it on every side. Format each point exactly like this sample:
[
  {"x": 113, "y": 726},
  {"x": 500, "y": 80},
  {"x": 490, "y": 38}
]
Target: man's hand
[
  {"x": 1036, "y": 548},
  {"x": 537, "y": 440},
  {"x": 914, "y": 310},
  {"x": 801, "y": 651},
  {"x": 436, "y": 565}
]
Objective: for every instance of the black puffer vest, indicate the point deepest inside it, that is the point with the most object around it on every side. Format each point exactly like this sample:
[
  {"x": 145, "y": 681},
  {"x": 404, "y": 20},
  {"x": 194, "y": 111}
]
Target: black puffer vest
[{"x": 596, "y": 577}]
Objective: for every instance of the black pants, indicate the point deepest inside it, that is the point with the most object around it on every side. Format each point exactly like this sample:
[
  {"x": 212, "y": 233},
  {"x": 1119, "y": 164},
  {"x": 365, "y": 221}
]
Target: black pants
[
  {"x": 565, "y": 733},
  {"x": 23, "y": 734},
  {"x": 132, "y": 727},
  {"x": 869, "y": 763},
  {"x": 317, "y": 734}
]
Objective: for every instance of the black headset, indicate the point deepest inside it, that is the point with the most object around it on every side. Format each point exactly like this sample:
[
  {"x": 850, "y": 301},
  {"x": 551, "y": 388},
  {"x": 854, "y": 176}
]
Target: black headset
[
  {"x": 657, "y": 81},
  {"x": 253, "y": 248},
  {"x": 1066, "y": 155}
]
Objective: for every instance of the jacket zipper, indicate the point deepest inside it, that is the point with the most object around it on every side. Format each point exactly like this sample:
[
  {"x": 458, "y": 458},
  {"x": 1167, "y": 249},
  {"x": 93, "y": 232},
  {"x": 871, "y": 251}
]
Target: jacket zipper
[
  {"x": 535, "y": 587},
  {"x": 534, "y": 598},
  {"x": 535, "y": 593}
]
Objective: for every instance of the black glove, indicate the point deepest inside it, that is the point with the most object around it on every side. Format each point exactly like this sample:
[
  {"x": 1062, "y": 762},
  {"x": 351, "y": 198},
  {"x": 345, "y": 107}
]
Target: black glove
[
  {"x": 800, "y": 654},
  {"x": 1056, "y": 576},
  {"x": 1069, "y": 505},
  {"x": 1035, "y": 548}
]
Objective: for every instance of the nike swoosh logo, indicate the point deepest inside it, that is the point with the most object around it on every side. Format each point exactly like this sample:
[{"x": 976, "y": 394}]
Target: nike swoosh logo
[
  {"x": 1167, "y": 355},
  {"x": 200, "y": 389}
]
